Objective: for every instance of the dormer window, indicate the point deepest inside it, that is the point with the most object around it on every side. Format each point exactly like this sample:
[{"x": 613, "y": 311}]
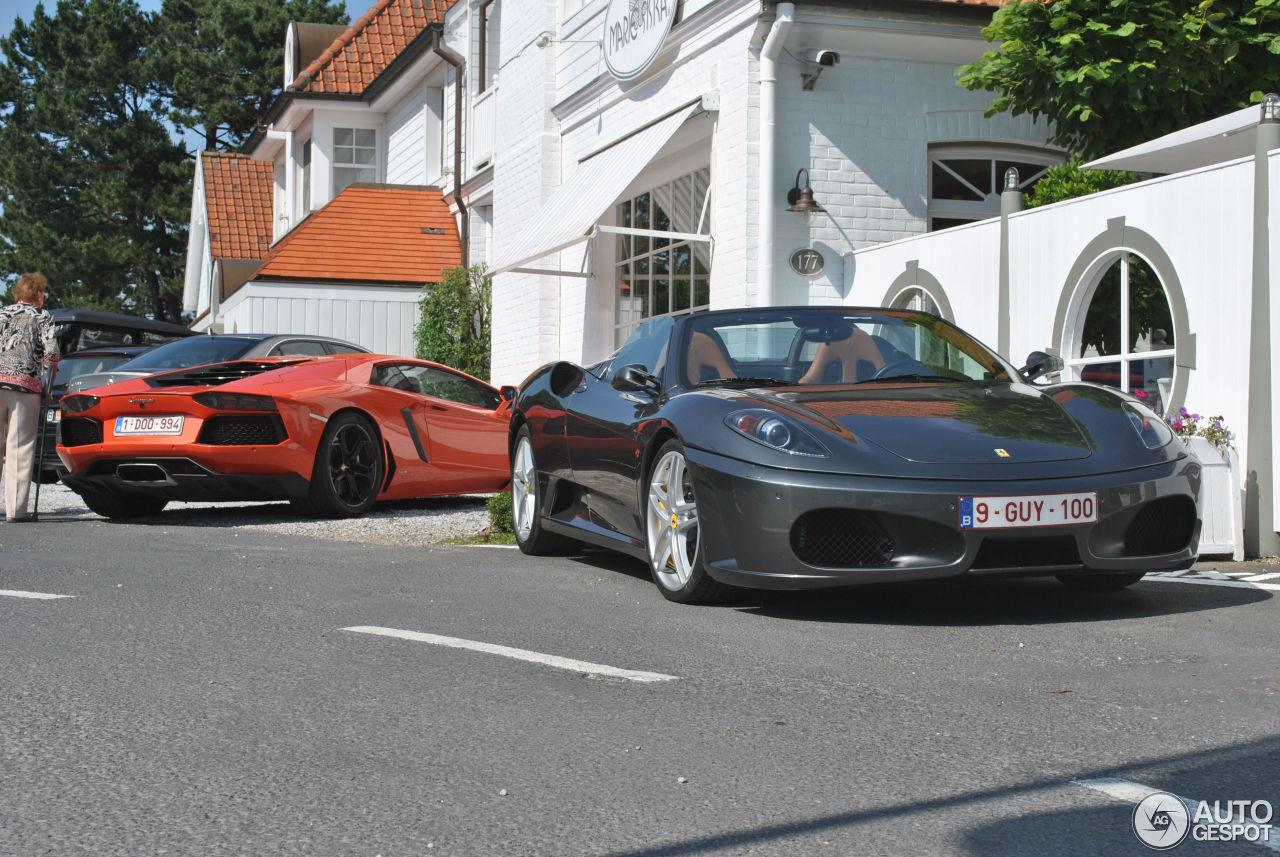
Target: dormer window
[{"x": 355, "y": 157}]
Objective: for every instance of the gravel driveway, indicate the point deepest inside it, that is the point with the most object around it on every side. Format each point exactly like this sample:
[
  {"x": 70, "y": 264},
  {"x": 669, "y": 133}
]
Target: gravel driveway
[{"x": 404, "y": 522}]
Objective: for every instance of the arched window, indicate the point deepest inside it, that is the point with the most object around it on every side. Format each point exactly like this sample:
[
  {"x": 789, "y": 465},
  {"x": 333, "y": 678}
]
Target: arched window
[
  {"x": 916, "y": 298},
  {"x": 965, "y": 181},
  {"x": 1123, "y": 334}
]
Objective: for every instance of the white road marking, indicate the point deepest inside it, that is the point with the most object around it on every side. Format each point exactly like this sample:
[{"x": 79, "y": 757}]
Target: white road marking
[
  {"x": 15, "y": 593},
  {"x": 1133, "y": 793},
  {"x": 1258, "y": 578},
  {"x": 518, "y": 654},
  {"x": 1208, "y": 578}
]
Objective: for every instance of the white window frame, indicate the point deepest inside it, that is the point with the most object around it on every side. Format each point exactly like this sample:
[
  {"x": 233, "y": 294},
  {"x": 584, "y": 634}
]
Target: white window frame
[
  {"x": 336, "y": 166},
  {"x": 624, "y": 326},
  {"x": 1077, "y": 365}
]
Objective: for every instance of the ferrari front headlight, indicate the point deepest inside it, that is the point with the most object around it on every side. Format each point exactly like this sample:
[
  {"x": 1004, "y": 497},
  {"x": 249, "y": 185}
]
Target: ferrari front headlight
[
  {"x": 1152, "y": 430},
  {"x": 776, "y": 432}
]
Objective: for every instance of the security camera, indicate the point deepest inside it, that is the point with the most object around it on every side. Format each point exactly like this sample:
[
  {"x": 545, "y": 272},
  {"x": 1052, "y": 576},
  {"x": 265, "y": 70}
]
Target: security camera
[{"x": 818, "y": 59}]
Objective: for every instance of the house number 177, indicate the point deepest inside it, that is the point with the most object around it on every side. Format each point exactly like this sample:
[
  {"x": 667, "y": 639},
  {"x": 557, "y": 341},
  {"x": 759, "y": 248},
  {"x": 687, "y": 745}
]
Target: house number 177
[{"x": 807, "y": 262}]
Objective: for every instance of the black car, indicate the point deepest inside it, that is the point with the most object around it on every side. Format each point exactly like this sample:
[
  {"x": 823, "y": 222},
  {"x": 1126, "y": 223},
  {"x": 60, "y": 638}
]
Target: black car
[
  {"x": 73, "y": 365},
  {"x": 90, "y": 329},
  {"x": 791, "y": 448},
  {"x": 217, "y": 348}
]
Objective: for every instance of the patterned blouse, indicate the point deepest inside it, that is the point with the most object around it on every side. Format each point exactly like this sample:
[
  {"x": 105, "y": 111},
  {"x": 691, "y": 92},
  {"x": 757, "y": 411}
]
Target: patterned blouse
[{"x": 26, "y": 340}]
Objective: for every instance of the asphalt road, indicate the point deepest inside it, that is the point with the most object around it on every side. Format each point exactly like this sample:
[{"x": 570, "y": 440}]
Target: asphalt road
[{"x": 198, "y": 694}]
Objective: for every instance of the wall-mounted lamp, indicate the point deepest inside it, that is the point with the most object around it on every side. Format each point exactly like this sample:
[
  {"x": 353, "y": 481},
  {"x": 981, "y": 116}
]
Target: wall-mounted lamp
[{"x": 801, "y": 197}]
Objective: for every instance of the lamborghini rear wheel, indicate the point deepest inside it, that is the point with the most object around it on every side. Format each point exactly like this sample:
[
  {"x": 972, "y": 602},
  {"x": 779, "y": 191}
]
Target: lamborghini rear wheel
[{"x": 348, "y": 469}]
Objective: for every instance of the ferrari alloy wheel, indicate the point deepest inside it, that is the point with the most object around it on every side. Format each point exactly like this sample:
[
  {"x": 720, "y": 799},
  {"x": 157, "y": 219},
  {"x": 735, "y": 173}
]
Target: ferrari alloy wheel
[
  {"x": 526, "y": 511},
  {"x": 348, "y": 469},
  {"x": 672, "y": 532},
  {"x": 524, "y": 488}
]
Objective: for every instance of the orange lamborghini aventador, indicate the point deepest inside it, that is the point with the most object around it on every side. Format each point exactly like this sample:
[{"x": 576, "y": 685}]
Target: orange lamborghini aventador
[{"x": 333, "y": 435}]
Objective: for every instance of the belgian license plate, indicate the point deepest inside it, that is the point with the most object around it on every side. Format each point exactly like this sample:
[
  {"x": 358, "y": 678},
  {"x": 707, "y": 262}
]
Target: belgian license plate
[
  {"x": 149, "y": 425},
  {"x": 1030, "y": 510}
]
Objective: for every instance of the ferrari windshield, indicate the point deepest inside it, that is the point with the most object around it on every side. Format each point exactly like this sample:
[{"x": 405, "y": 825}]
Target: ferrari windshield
[{"x": 831, "y": 346}]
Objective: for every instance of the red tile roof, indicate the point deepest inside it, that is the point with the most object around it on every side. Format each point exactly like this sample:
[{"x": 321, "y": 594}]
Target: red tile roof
[
  {"x": 238, "y": 195},
  {"x": 359, "y": 55},
  {"x": 370, "y": 234}
]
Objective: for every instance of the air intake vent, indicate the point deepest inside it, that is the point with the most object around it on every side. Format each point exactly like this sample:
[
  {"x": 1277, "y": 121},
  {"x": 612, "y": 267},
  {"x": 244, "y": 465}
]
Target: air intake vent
[
  {"x": 1162, "y": 526},
  {"x": 242, "y": 430},
  {"x": 840, "y": 538},
  {"x": 81, "y": 432},
  {"x": 217, "y": 374}
]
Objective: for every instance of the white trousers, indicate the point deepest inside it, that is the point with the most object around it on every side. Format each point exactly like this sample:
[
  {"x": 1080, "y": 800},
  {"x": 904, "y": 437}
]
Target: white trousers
[{"x": 20, "y": 419}]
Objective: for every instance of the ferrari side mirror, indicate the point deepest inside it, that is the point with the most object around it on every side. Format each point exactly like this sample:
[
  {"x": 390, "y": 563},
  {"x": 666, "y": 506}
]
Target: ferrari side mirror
[
  {"x": 1039, "y": 363},
  {"x": 508, "y": 393},
  {"x": 634, "y": 376}
]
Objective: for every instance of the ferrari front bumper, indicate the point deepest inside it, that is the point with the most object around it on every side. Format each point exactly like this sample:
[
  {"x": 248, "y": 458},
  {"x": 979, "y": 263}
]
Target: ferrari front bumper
[{"x": 770, "y": 528}]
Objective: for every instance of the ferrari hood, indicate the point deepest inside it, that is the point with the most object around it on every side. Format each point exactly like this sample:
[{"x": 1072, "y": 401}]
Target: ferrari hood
[{"x": 948, "y": 423}]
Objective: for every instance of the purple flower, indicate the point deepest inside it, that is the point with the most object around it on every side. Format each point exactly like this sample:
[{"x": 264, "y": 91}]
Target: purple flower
[
  {"x": 1141, "y": 394},
  {"x": 1183, "y": 411}
]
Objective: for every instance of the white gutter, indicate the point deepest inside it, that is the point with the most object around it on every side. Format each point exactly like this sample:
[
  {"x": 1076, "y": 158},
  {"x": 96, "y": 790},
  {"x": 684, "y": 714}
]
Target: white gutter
[{"x": 773, "y": 46}]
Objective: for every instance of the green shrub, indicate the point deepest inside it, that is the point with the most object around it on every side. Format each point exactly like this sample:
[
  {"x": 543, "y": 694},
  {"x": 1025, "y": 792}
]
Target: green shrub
[
  {"x": 500, "y": 514},
  {"x": 453, "y": 323},
  {"x": 1068, "y": 181}
]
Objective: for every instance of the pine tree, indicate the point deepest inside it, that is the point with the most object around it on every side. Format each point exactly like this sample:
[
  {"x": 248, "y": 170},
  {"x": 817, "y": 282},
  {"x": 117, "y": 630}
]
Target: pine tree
[
  {"x": 222, "y": 60},
  {"x": 94, "y": 189}
]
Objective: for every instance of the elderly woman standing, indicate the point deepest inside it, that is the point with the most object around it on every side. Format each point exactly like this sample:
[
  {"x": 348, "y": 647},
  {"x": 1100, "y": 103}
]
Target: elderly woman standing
[{"x": 26, "y": 343}]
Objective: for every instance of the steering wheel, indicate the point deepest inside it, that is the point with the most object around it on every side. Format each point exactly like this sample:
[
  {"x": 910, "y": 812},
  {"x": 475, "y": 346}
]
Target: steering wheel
[{"x": 901, "y": 366}]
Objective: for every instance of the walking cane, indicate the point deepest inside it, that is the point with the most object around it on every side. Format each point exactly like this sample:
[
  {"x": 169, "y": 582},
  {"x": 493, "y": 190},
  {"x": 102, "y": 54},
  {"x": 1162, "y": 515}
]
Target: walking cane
[{"x": 46, "y": 395}]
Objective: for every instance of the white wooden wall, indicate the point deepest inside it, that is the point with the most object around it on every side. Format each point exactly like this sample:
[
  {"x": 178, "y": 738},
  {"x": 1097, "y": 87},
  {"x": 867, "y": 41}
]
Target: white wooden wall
[{"x": 381, "y": 319}]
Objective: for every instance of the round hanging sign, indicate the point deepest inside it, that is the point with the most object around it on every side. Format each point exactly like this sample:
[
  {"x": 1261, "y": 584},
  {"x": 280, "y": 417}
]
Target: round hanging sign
[
  {"x": 807, "y": 262},
  {"x": 633, "y": 34}
]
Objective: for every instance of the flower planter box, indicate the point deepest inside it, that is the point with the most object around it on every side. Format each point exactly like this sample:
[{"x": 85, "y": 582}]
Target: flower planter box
[{"x": 1220, "y": 501}]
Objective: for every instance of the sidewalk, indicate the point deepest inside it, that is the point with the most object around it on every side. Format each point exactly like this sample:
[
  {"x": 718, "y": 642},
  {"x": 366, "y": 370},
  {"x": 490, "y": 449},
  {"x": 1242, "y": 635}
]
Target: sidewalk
[{"x": 1224, "y": 564}]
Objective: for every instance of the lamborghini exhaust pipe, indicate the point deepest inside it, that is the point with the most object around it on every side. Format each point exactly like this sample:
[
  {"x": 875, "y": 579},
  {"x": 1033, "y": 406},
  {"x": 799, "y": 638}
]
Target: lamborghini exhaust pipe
[{"x": 144, "y": 473}]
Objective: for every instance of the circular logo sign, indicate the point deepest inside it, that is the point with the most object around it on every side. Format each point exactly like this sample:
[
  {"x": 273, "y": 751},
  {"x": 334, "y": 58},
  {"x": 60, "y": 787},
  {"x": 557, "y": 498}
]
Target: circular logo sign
[
  {"x": 633, "y": 34},
  {"x": 1161, "y": 821},
  {"x": 807, "y": 262}
]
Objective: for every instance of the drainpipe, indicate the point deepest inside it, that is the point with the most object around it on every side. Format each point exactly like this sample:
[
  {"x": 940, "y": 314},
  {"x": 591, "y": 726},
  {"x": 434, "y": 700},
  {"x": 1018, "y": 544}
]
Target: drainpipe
[
  {"x": 454, "y": 59},
  {"x": 773, "y": 45}
]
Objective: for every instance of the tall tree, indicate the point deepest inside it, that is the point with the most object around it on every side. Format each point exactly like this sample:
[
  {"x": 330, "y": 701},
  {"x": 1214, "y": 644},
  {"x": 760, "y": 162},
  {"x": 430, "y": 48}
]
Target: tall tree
[
  {"x": 1113, "y": 73},
  {"x": 222, "y": 60},
  {"x": 95, "y": 191}
]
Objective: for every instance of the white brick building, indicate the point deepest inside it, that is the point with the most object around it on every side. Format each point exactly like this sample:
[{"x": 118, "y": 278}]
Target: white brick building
[{"x": 865, "y": 124}]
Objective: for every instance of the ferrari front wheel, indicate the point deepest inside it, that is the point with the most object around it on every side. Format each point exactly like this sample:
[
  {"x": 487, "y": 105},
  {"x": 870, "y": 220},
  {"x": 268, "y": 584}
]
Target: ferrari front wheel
[
  {"x": 348, "y": 469},
  {"x": 526, "y": 507},
  {"x": 672, "y": 531}
]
